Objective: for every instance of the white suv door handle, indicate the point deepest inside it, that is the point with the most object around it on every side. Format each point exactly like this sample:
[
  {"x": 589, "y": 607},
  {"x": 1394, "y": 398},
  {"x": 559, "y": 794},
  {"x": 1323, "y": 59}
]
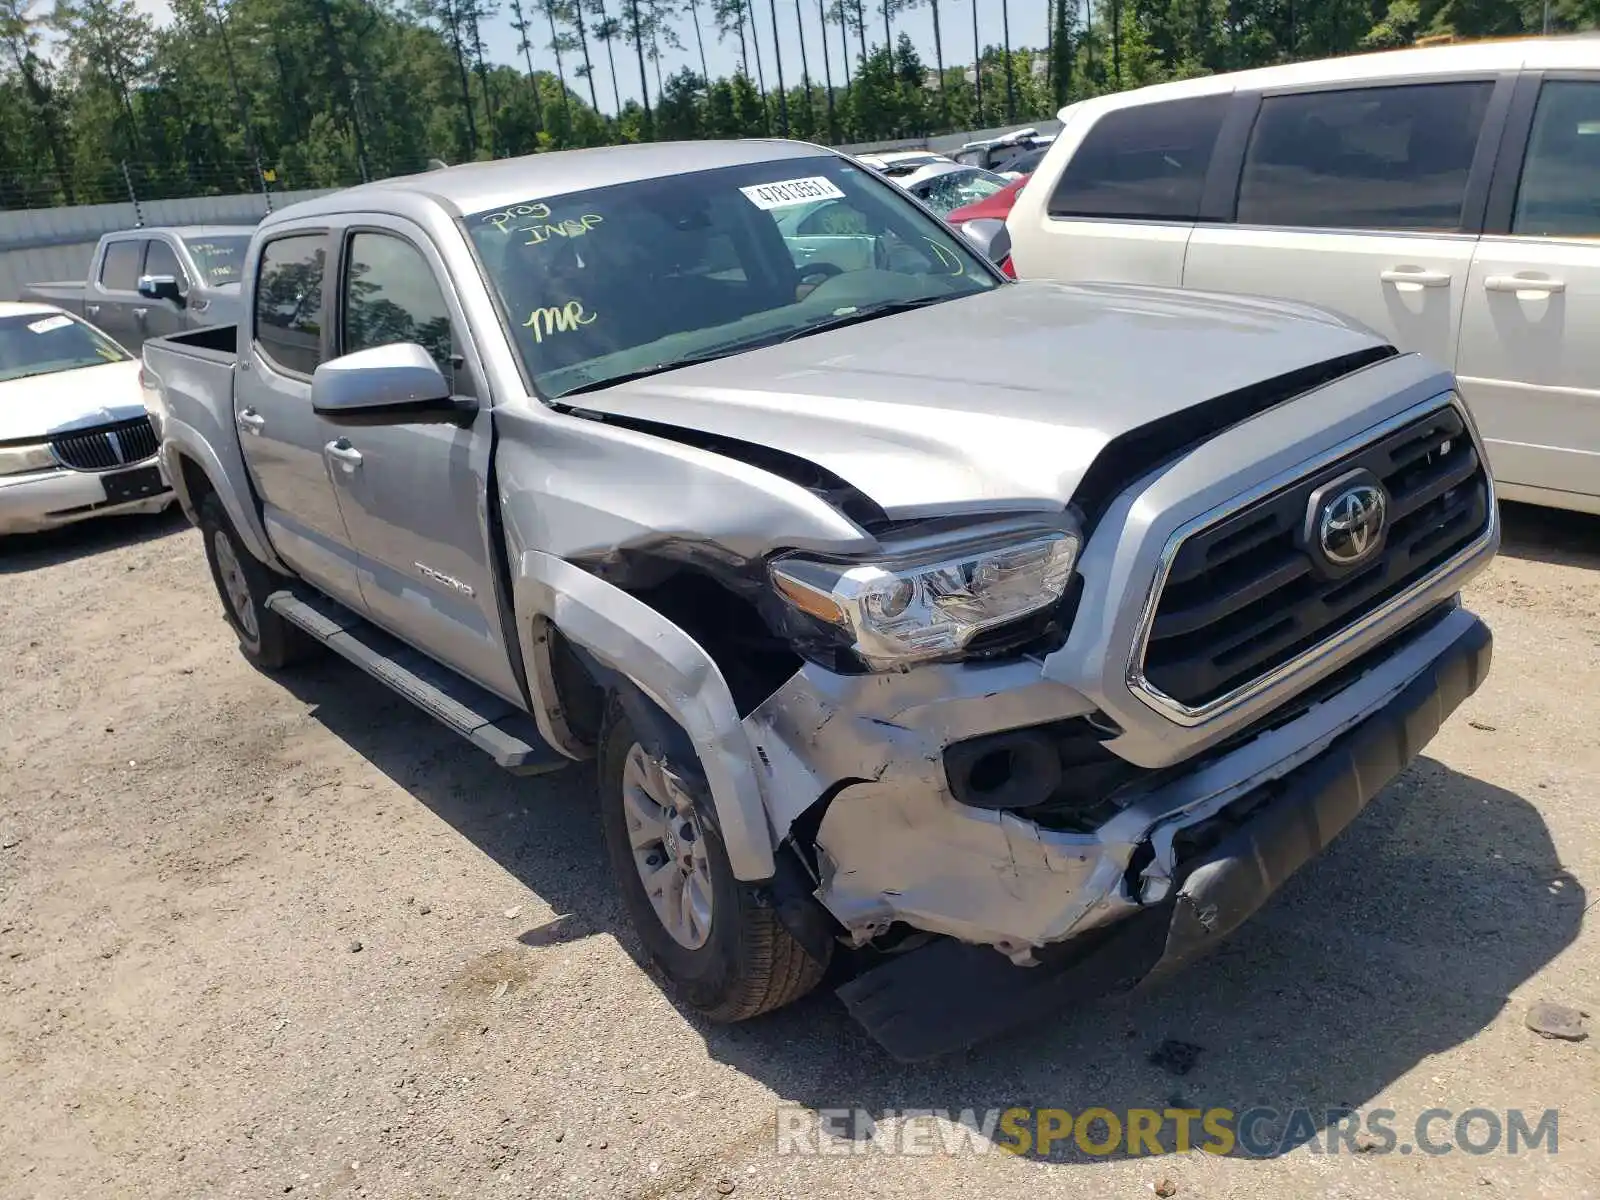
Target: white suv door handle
[
  {"x": 1416, "y": 276},
  {"x": 342, "y": 451},
  {"x": 1537, "y": 285},
  {"x": 250, "y": 420}
]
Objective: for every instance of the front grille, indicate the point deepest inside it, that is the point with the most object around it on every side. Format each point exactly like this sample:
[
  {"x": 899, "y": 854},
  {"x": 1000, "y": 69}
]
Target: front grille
[
  {"x": 106, "y": 447},
  {"x": 1248, "y": 594}
]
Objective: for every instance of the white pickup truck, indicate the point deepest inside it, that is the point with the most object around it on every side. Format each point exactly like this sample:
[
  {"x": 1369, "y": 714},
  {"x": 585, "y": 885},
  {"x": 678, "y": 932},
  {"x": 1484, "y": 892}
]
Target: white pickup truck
[{"x": 991, "y": 685}]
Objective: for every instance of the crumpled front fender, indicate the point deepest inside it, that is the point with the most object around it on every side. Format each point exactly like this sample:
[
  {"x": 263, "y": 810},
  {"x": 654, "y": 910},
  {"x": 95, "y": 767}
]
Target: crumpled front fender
[{"x": 667, "y": 665}]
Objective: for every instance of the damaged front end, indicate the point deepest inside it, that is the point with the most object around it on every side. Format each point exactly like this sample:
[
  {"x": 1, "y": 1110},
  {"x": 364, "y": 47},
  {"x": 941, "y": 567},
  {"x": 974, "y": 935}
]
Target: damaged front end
[
  {"x": 1084, "y": 814},
  {"x": 1092, "y": 887}
]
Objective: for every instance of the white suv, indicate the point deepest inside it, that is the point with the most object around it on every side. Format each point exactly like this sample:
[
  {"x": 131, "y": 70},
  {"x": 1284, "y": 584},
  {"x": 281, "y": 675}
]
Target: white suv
[{"x": 1447, "y": 197}]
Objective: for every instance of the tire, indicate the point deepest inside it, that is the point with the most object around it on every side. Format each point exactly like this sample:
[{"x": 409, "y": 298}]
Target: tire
[
  {"x": 748, "y": 963},
  {"x": 243, "y": 583}
]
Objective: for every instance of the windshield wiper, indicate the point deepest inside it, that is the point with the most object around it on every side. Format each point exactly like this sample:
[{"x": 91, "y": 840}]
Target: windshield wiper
[
  {"x": 656, "y": 369},
  {"x": 865, "y": 312}
]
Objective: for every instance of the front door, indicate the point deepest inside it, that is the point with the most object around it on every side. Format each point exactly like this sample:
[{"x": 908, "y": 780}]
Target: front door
[
  {"x": 1356, "y": 200},
  {"x": 283, "y": 439},
  {"x": 413, "y": 494},
  {"x": 158, "y": 318},
  {"x": 1530, "y": 340}
]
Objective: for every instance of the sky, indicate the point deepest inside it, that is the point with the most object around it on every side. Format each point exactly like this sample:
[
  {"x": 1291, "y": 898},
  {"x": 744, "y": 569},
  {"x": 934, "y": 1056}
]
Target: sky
[{"x": 1028, "y": 28}]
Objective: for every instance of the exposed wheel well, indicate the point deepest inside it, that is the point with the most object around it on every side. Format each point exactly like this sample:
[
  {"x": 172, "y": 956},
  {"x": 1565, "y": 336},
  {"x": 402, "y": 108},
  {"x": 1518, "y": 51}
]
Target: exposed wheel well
[
  {"x": 753, "y": 660},
  {"x": 196, "y": 483}
]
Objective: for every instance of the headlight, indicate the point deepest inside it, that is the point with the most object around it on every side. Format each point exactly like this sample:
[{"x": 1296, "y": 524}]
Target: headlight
[
  {"x": 17, "y": 460},
  {"x": 906, "y": 611}
]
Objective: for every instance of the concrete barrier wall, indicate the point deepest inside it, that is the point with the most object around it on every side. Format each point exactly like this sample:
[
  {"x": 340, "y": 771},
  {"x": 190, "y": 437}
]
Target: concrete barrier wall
[
  {"x": 57, "y": 243},
  {"x": 948, "y": 143}
]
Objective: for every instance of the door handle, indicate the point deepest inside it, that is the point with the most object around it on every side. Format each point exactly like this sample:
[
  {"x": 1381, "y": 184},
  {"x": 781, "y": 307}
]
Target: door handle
[
  {"x": 251, "y": 421},
  {"x": 1531, "y": 285},
  {"x": 92, "y": 310},
  {"x": 141, "y": 313},
  {"x": 1416, "y": 276},
  {"x": 344, "y": 453}
]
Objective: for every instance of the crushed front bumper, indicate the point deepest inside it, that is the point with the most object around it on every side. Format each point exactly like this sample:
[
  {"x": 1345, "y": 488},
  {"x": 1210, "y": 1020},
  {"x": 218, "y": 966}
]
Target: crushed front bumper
[{"x": 948, "y": 994}]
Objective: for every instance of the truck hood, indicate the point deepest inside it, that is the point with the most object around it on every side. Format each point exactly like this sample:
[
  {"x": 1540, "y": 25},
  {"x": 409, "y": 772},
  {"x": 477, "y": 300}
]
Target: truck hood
[
  {"x": 48, "y": 404},
  {"x": 1000, "y": 401}
]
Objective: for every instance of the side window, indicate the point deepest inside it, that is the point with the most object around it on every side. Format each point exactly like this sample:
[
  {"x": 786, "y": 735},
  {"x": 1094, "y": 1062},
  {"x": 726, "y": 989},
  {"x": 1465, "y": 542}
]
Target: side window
[
  {"x": 119, "y": 270},
  {"x": 288, "y": 317},
  {"x": 1366, "y": 158},
  {"x": 390, "y": 296},
  {"x": 1559, "y": 195},
  {"x": 1148, "y": 162},
  {"x": 161, "y": 259}
]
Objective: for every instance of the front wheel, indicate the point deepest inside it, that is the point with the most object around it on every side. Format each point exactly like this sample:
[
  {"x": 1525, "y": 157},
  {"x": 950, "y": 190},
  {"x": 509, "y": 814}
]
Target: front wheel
[
  {"x": 265, "y": 639},
  {"x": 727, "y": 955}
]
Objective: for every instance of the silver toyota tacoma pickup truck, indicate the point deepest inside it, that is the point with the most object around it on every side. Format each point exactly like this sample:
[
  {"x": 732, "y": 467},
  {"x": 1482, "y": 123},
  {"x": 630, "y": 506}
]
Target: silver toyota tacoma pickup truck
[{"x": 999, "y": 644}]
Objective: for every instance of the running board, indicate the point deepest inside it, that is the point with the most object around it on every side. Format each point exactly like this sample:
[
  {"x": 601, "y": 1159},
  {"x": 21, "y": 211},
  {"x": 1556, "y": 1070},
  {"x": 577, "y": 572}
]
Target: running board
[{"x": 497, "y": 727}]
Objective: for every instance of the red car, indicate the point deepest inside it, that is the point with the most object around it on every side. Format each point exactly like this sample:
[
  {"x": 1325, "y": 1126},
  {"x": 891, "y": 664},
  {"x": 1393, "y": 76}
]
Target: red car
[
  {"x": 996, "y": 207},
  {"x": 983, "y": 224}
]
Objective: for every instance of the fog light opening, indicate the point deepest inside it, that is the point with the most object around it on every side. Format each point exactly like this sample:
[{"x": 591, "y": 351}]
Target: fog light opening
[{"x": 992, "y": 771}]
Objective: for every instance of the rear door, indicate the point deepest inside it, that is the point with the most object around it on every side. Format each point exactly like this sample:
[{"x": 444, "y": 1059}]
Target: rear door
[
  {"x": 282, "y": 438},
  {"x": 1366, "y": 200},
  {"x": 413, "y": 494},
  {"x": 158, "y": 318},
  {"x": 1529, "y": 360},
  {"x": 113, "y": 294}
]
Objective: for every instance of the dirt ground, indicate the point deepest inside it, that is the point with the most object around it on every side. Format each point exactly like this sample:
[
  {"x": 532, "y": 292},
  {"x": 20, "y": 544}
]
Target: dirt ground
[{"x": 269, "y": 936}]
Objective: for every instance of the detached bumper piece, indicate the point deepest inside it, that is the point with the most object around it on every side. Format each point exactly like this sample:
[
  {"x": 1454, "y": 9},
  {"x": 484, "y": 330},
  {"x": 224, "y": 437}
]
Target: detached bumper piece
[{"x": 947, "y": 995}]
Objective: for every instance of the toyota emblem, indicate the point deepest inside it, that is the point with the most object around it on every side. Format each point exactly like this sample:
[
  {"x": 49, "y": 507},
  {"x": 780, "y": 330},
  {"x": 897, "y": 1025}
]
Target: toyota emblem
[{"x": 1350, "y": 525}]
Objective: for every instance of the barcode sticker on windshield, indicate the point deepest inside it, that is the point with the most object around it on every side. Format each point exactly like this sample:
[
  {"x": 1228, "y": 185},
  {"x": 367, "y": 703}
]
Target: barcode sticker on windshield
[
  {"x": 45, "y": 326},
  {"x": 792, "y": 191}
]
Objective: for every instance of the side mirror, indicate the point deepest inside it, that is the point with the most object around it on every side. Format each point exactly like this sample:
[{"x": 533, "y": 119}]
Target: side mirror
[
  {"x": 386, "y": 385},
  {"x": 160, "y": 287}
]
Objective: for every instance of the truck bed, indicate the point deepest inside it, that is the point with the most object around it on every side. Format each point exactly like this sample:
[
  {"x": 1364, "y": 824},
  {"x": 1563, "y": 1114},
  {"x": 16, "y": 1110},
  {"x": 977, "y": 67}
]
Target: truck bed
[
  {"x": 64, "y": 293},
  {"x": 215, "y": 343}
]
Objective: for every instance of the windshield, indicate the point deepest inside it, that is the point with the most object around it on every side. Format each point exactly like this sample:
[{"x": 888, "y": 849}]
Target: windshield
[
  {"x": 42, "y": 343},
  {"x": 219, "y": 258},
  {"x": 600, "y": 284},
  {"x": 956, "y": 189}
]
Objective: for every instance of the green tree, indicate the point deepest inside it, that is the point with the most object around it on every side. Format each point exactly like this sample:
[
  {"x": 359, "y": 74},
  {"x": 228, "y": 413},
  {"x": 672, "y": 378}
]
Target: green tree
[{"x": 609, "y": 30}]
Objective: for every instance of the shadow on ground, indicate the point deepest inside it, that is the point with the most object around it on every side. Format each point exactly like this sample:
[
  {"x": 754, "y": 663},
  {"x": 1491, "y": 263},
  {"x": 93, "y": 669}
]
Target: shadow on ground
[
  {"x": 1551, "y": 535},
  {"x": 31, "y": 551},
  {"x": 1403, "y": 941}
]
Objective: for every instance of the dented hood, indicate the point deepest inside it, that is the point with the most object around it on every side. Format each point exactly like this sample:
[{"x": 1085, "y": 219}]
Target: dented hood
[{"x": 996, "y": 401}]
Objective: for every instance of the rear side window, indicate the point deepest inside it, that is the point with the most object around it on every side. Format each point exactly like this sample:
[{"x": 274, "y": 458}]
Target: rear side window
[
  {"x": 1366, "y": 158},
  {"x": 288, "y": 307},
  {"x": 1559, "y": 195},
  {"x": 1148, "y": 162},
  {"x": 119, "y": 271}
]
